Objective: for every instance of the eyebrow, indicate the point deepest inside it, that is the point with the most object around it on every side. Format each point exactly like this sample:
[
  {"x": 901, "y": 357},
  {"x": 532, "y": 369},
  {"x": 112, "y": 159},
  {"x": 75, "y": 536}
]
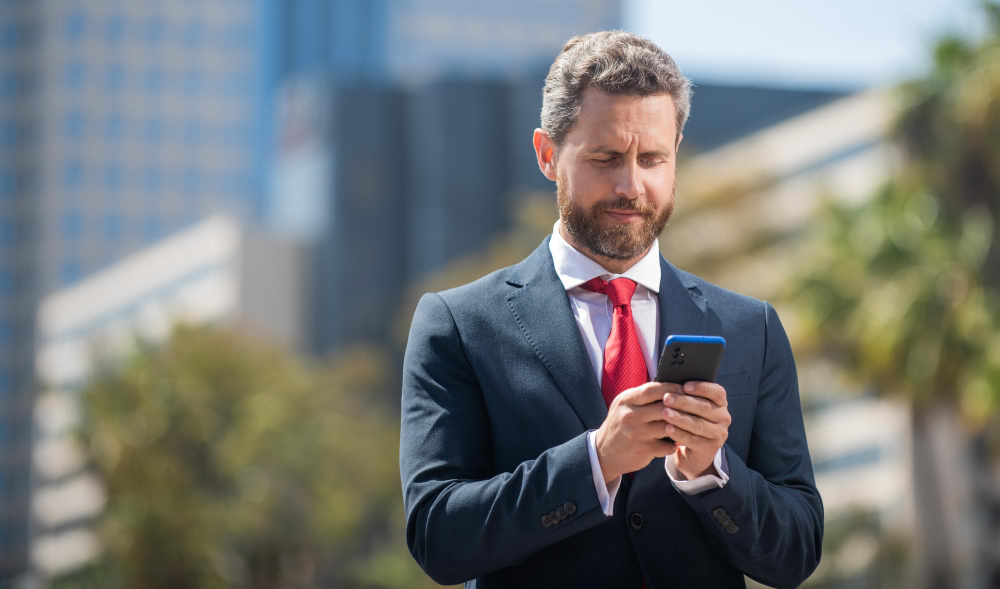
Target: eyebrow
[{"x": 609, "y": 151}]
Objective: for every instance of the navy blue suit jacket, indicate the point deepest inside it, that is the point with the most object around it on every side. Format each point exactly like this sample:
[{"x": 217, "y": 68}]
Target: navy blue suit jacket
[{"x": 498, "y": 397}]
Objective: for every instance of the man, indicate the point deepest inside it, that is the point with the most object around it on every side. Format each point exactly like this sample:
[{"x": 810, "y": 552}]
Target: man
[{"x": 526, "y": 395}]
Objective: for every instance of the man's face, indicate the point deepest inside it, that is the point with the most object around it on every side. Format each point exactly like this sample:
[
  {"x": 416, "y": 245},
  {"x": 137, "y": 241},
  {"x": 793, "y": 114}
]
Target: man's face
[{"x": 615, "y": 173}]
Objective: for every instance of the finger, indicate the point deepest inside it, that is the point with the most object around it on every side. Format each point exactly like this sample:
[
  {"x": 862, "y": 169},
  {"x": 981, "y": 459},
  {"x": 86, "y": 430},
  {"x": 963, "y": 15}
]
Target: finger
[
  {"x": 684, "y": 437},
  {"x": 650, "y": 412},
  {"x": 653, "y": 430},
  {"x": 662, "y": 448},
  {"x": 693, "y": 405},
  {"x": 646, "y": 393},
  {"x": 707, "y": 390},
  {"x": 691, "y": 423}
]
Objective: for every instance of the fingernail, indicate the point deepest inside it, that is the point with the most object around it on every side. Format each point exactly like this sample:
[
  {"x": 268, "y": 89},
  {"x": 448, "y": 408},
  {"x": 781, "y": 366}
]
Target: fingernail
[
  {"x": 689, "y": 387},
  {"x": 670, "y": 399},
  {"x": 671, "y": 413}
]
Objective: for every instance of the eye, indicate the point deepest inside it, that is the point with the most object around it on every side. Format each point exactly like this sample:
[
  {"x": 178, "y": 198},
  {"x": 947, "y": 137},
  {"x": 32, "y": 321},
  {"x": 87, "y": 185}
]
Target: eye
[
  {"x": 653, "y": 162},
  {"x": 605, "y": 161}
]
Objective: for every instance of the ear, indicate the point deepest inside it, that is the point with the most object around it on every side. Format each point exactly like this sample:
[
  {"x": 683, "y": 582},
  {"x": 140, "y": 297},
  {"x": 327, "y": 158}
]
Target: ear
[
  {"x": 679, "y": 137},
  {"x": 545, "y": 151}
]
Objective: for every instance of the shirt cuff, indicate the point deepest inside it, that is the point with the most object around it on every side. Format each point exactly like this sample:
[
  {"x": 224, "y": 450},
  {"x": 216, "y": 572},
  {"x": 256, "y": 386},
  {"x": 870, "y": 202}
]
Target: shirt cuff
[
  {"x": 605, "y": 493},
  {"x": 702, "y": 483}
]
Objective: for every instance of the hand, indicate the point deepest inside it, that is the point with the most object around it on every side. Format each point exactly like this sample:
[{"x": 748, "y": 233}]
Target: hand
[
  {"x": 699, "y": 422},
  {"x": 629, "y": 438}
]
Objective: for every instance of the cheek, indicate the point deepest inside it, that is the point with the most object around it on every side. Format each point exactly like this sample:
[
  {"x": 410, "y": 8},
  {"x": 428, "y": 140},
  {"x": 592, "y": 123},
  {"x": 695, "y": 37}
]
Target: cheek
[
  {"x": 587, "y": 185},
  {"x": 595, "y": 181}
]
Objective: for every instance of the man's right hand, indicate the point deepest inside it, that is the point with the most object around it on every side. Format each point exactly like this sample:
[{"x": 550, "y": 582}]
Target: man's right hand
[{"x": 629, "y": 438}]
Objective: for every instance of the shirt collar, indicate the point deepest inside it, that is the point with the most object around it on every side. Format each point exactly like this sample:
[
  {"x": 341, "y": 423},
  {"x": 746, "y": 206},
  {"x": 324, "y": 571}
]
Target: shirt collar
[{"x": 574, "y": 268}]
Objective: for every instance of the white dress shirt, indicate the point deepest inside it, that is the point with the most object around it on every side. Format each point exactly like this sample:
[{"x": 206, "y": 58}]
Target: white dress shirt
[{"x": 593, "y": 312}]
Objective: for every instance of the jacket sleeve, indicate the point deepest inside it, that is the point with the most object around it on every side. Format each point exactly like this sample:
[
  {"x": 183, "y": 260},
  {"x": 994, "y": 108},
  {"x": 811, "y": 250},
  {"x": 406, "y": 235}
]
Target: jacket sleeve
[
  {"x": 463, "y": 520},
  {"x": 768, "y": 520}
]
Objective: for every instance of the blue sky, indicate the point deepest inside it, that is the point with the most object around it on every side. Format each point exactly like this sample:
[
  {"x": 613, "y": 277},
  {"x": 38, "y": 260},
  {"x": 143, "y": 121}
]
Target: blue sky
[{"x": 843, "y": 44}]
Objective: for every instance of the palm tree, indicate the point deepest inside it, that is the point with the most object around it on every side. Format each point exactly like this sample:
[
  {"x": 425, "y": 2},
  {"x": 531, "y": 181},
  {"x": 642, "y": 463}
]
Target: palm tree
[{"x": 905, "y": 290}]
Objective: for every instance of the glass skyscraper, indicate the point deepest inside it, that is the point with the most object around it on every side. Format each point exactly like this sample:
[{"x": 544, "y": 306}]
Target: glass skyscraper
[{"x": 122, "y": 122}]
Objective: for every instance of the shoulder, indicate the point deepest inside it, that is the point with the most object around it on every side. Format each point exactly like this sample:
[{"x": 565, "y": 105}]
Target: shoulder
[
  {"x": 488, "y": 294},
  {"x": 482, "y": 297},
  {"x": 720, "y": 298}
]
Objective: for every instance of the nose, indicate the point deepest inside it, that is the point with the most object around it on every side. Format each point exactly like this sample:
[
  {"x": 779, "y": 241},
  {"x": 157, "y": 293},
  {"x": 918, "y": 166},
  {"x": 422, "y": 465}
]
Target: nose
[{"x": 629, "y": 184}]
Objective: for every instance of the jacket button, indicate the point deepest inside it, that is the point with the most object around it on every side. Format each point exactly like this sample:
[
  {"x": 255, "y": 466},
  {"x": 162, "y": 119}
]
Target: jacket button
[
  {"x": 561, "y": 513},
  {"x": 554, "y": 517},
  {"x": 732, "y": 529},
  {"x": 546, "y": 521},
  {"x": 569, "y": 507},
  {"x": 718, "y": 512},
  {"x": 636, "y": 520}
]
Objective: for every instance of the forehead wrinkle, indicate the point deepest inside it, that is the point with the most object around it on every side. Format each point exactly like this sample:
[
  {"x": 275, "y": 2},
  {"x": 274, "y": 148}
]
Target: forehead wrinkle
[{"x": 611, "y": 148}]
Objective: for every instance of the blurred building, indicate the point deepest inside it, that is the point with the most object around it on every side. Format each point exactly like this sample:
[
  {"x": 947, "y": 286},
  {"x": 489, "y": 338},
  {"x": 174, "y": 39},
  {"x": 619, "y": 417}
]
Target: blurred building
[
  {"x": 414, "y": 41},
  {"x": 152, "y": 119},
  {"x": 213, "y": 272},
  {"x": 20, "y": 59},
  {"x": 120, "y": 123},
  {"x": 397, "y": 112}
]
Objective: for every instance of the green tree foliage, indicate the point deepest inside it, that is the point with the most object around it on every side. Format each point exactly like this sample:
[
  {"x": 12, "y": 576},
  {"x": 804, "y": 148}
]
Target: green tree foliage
[
  {"x": 230, "y": 463},
  {"x": 904, "y": 288}
]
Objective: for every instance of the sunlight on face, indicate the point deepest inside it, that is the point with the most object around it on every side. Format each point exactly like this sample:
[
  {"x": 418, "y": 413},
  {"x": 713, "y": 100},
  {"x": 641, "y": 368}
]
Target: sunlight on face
[{"x": 616, "y": 173}]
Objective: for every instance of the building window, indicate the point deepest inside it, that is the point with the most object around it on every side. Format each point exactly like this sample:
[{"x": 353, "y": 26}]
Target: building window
[
  {"x": 113, "y": 177},
  {"x": 73, "y": 125},
  {"x": 153, "y": 79},
  {"x": 114, "y": 77},
  {"x": 191, "y": 180},
  {"x": 154, "y": 31},
  {"x": 112, "y": 228},
  {"x": 193, "y": 34},
  {"x": 72, "y": 174},
  {"x": 8, "y": 231},
  {"x": 152, "y": 229},
  {"x": 69, "y": 272},
  {"x": 192, "y": 132},
  {"x": 113, "y": 127},
  {"x": 73, "y": 75},
  {"x": 114, "y": 29},
  {"x": 152, "y": 180},
  {"x": 152, "y": 130},
  {"x": 192, "y": 82},
  {"x": 7, "y": 182},
  {"x": 9, "y": 83},
  {"x": 71, "y": 226},
  {"x": 75, "y": 25},
  {"x": 8, "y": 132}
]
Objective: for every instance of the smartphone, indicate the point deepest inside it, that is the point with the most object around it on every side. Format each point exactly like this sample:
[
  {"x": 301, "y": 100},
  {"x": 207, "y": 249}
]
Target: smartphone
[{"x": 690, "y": 357}]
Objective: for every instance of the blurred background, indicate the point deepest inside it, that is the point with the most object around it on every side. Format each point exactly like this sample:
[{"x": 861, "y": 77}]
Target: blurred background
[{"x": 217, "y": 216}]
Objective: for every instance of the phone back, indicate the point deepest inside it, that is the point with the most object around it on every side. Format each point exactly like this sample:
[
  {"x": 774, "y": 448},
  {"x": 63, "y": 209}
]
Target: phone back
[{"x": 688, "y": 358}]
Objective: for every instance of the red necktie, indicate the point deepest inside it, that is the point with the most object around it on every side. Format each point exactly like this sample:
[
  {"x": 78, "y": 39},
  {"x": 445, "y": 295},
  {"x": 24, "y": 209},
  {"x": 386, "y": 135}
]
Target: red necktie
[{"x": 624, "y": 366}]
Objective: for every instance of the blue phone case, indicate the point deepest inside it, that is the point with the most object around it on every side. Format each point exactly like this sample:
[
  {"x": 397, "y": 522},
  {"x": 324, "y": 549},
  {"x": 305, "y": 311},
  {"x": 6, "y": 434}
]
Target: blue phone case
[{"x": 694, "y": 339}]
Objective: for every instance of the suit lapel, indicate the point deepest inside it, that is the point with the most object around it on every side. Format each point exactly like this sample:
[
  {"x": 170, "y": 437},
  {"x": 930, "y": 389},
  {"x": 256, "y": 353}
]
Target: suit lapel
[
  {"x": 682, "y": 309},
  {"x": 542, "y": 310}
]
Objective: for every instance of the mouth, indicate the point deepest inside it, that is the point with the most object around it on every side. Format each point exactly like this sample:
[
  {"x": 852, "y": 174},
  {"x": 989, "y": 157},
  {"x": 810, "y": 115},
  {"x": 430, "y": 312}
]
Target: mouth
[{"x": 625, "y": 216}]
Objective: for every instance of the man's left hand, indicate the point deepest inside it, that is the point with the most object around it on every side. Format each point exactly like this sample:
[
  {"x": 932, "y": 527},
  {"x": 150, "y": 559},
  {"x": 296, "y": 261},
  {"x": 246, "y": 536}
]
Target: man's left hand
[{"x": 699, "y": 423}]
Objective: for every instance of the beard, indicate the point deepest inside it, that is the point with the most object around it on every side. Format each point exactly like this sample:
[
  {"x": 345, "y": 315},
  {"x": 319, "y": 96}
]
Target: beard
[{"x": 603, "y": 236}]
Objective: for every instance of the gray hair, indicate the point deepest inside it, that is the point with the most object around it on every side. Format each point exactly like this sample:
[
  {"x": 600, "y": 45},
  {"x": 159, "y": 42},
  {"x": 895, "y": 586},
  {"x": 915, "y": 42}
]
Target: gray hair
[{"x": 615, "y": 62}]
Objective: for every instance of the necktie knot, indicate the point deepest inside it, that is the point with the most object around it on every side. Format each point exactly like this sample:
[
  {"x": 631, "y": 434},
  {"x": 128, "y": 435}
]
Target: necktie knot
[{"x": 619, "y": 290}]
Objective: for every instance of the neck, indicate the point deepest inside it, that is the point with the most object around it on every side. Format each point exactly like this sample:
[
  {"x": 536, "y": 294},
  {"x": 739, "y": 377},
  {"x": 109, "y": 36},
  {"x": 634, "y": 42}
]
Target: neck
[{"x": 611, "y": 265}]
